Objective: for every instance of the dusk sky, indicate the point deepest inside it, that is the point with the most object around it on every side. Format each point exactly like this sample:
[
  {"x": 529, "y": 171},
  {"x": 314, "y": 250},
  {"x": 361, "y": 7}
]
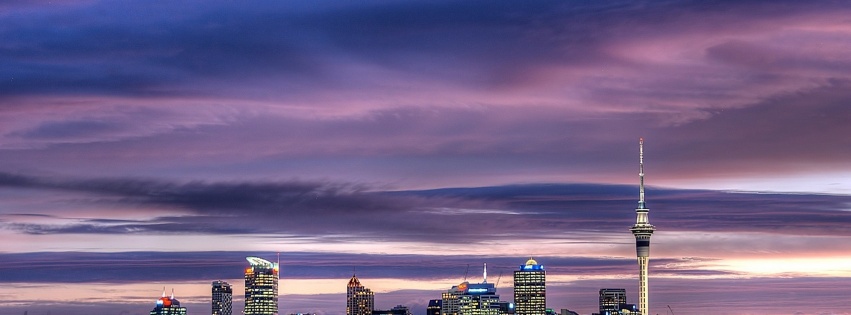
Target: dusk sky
[{"x": 156, "y": 144}]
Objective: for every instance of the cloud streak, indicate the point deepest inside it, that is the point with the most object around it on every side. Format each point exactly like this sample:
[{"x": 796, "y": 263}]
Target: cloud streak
[{"x": 442, "y": 215}]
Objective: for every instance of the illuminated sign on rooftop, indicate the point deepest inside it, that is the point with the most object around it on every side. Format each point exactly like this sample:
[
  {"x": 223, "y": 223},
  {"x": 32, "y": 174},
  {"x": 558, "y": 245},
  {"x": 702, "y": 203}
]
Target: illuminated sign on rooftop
[
  {"x": 480, "y": 288},
  {"x": 531, "y": 267}
]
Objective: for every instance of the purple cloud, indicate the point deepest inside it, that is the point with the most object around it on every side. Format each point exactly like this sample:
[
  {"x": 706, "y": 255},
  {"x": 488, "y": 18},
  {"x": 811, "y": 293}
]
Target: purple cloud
[{"x": 514, "y": 211}]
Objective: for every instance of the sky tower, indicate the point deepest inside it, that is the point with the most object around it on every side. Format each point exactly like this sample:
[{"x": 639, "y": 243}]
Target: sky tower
[{"x": 642, "y": 231}]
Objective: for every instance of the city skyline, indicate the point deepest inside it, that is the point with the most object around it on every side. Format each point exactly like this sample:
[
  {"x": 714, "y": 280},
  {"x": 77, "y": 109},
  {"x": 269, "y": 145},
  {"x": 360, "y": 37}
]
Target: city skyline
[{"x": 150, "y": 145}]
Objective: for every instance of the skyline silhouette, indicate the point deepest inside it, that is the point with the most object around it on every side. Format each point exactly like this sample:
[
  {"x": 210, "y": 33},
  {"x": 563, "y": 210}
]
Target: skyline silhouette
[{"x": 146, "y": 145}]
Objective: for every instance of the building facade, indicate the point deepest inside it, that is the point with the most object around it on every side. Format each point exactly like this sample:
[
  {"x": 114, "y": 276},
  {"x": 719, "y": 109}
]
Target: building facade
[
  {"x": 473, "y": 299},
  {"x": 530, "y": 289},
  {"x": 168, "y": 305},
  {"x": 449, "y": 302},
  {"x": 434, "y": 307},
  {"x": 396, "y": 310},
  {"x": 613, "y": 302},
  {"x": 222, "y": 298},
  {"x": 359, "y": 299},
  {"x": 261, "y": 287}
]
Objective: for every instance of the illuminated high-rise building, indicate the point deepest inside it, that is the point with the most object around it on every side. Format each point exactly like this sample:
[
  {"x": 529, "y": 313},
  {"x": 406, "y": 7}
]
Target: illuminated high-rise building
[
  {"x": 642, "y": 230},
  {"x": 449, "y": 300},
  {"x": 222, "y": 298},
  {"x": 471, "y": 299},
  {"x": 530, "y": 289},
  {"x": 611, "y": 300},
  {"x": 359, "y": 299},
  {"x": 434, "y": 307},
  {"x": 474, "y": 299},
  {"x": 168, "y": 305},
  {"x": 261, "y": 287}
]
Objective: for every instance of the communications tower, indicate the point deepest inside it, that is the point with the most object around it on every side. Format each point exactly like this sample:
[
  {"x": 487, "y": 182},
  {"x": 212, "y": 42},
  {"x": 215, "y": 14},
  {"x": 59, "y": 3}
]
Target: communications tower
[{"x": 642, "y": 230}]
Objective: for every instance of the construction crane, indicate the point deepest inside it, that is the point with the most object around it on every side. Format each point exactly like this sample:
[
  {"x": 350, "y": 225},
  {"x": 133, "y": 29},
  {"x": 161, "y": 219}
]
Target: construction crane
[{"x": 466, "y": 272}]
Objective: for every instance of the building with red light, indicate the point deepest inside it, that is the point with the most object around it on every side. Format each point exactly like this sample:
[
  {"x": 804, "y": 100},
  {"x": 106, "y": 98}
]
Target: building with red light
[
  {"x": 168, "y": 305},
  {"x": 359, "y": 299}
]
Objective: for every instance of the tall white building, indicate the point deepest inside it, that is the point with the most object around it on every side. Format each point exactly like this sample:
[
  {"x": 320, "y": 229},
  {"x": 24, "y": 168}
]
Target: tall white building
[
  {"x": 261, "y": 287},
  {"x": 359, "y": 299}
]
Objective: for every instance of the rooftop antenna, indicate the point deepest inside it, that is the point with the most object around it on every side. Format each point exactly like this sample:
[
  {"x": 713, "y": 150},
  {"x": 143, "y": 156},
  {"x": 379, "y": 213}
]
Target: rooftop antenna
[
  {"x": 172, "y": 293},
  {"x": 485, "y": 274},
  {"x": 163, "y": 291}
]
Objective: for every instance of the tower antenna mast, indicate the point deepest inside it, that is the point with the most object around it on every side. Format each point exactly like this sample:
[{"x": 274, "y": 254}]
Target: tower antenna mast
[{"x": 641, "y": 204}]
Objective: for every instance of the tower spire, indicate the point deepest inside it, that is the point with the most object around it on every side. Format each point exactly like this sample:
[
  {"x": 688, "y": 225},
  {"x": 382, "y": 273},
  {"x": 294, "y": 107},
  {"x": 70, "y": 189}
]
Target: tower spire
[{"x": 641, "y": 204}]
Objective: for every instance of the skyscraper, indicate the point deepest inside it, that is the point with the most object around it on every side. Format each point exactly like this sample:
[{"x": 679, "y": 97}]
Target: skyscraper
[
  {"x": 611, "y": 300},
  {"x": 222, "y": 298},
  {"x": 261, "y": 287},
  {"x": 530, "y": 289},
  {"x": 471, "y": 299},
  {"x": 359, "y": 299},
  {"x": 434, "y": 307},
  {"x": 642, "y": 230},
  {"x": 474, "y": 299},
  {"x": 168, "y": 306}
]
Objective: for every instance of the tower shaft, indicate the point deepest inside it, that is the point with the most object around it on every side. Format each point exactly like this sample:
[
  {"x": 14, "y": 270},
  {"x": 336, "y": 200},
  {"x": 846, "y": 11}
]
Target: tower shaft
[{"x": 642, "y": 284}]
